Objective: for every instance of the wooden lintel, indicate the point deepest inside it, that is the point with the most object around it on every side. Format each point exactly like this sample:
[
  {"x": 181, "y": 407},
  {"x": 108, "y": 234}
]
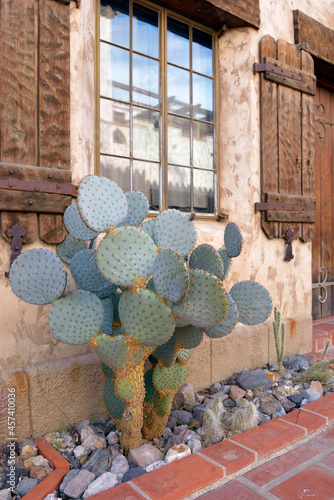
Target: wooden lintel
[
  {"x": 320, "y": 38},
  {"x": 12, "y": 171}
]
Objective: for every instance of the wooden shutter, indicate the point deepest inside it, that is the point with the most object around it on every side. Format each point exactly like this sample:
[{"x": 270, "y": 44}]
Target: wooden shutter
[
  {"x": 35, "y": 171},
  {"x": 287, "y": 87}
]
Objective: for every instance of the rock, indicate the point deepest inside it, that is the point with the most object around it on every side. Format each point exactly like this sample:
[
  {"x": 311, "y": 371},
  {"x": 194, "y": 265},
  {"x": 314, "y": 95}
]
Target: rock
[
  {"x": 269, "y": 404},
  {"x": 145, "y": 455},
  {"x": 19, "y": 447},
  {"x": 310, "y": 395},
  {"x": 73, "y": 461},
  {"x": 26, "y": 485},
  {"x": 109, "y": 427},
  {"x": 112, "y": 438},
  {"x": 229, "y": 403},
  {"x": 190, "y": 405},
  {"x": 104, "y": 482},
  {"x": 236, "y": 392},
  {"x": 97, "y": 462},
  {"x": 35, "y": 461},
  {"x": 226, "y": 389},
  {"x": 79, "y": 483},
  {"x": 40, "y": 472},
  {"x": 186, "y": 393},
  {"x": 18, "y": 473},
  {"x": 132, "y": 473},
  {"x": 253, "y": 379},
  {"x": 264, "y": 418},
  {"x": 51, "y": 436},
  {"x": 200, "y": 398},
  {"x": 179, "y": 429},
  {"x": 119, "y": 467},
  {"x": 217, "y": 385},
  {"x": 274, "y": 367},
  {"x": 249, "y": 395},
  {"x": 177, "y": 452},
  {"x": 5, "y": 495},
  {"x": 69, "y": 476},
  {"x": 316, "y": 386},
  {"x": 52, "y": 496},
  {"x": 312, "y": 359},
  {"x": 287, "y": 376},
  {"x": 182, "y": 416},
  {"x": 194, "y": 424},
  {"x": 198, "y": 414},
  {"x": 82, "y": 425},
  {"x": 155, "y": 465},
  {"x": 28, "y": 451},
  {"x": 279, "y": 412},
  {"x": 296, "y": 362},
  {"x": 173, "y": 440},
  {"x": 187, "y": 435},
  {"x": 221, "y": 395},
  {"x": 288, "y": 405},
  {"x": 79, "y": 451},
  {"x": 296, "y": 398},
  {"x": 195, "y": 445},
  {"x": 115, "y": 450},
  {"x": 90, "y": 440}
]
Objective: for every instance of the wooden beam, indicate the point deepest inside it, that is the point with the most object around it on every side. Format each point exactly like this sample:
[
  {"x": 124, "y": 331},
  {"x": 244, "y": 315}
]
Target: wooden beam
[{"x": 320, "y": 39}]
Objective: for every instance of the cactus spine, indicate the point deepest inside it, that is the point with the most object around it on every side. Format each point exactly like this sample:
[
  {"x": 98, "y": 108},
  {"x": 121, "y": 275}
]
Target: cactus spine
[{"x": 279, "y": 334}]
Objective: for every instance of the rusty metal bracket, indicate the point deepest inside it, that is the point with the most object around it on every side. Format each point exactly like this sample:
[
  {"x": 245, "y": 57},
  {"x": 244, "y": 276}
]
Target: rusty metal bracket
[
  {"x": 40, "y": 187},
  {"x": 16, "y": 232},
  {"x": 259, "y": 206},
  {"x": 266, "y": 67}
]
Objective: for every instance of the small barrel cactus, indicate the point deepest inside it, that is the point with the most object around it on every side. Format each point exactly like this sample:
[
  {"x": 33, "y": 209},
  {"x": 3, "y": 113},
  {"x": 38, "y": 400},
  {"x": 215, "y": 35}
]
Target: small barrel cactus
[{"x": 144, "y": 293}]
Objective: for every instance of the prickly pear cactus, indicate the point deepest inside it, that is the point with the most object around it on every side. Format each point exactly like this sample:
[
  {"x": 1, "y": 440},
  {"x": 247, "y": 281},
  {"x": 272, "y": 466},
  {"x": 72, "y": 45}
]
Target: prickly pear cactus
[{"x": 139, "y": 296}]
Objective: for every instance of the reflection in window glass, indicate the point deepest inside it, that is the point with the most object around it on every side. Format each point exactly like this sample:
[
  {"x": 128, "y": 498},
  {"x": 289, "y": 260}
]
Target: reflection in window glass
[
  {"x": 116, "y": 169},
  {"x": 114, "y": 128},
  {"x": 146, "y": 134},
  {"x": 203, "y": 182},
  {"x": 179, "y": 181},
  {"x": 145, "y": 80},
  {"x": 115, "y": 22},
  {"x": 145, "y": 32},
  {"x": 146, "y": 178},
  {"x": 202, "y": 98},
  {"x": 178, "y": 140},
  {"x": 177, "y": 42},
  {"x": 203, "y": 155},
  {"x": 115, "y": 72},
  {"x": 202, "y": 52},
  {"x": 178, "y": 90}
]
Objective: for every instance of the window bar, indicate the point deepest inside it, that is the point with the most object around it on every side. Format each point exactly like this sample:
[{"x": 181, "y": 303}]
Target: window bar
[
  {"x": 131, "y": 102},
  {"x": 191, "y": 120},
  {"x": 164, "y": 159}
]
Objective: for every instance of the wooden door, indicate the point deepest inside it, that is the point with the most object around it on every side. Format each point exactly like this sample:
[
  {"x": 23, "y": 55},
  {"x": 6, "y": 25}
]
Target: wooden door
[{"x": 323, "y": 240}]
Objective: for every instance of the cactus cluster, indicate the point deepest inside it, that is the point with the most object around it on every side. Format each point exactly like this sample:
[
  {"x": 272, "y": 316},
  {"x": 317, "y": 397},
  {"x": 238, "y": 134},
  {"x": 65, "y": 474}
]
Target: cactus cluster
[{"x": 144, "y": 293}]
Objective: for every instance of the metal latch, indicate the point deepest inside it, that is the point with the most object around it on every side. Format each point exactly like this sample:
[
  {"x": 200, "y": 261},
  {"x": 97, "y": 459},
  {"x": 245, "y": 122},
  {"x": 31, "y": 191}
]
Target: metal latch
[{"x": 260, "y": 67}]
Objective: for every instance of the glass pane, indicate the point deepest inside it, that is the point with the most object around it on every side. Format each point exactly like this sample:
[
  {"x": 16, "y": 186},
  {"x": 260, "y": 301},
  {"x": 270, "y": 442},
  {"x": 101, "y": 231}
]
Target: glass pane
[
  {"x": 114, "y": 21},
  {"x": 146, "y": 178},
  {"x": 114, "y": 72},
  {"x": 204, "y": 200},
  {"x": 178, "y": 140},
  {"x": 116, "y": 169},
  {"x": 179, "y": 188},
  {"x": 202, "y": 98},
  {"x": 202, "y": 52},
  {"x": 114, "y": 128},
  {"x": 203, "y": 155},
  {"x": 146, "y": 134},
  {"x": 145, "y": 31},
  {"x": 177, "y": 42},
  {"x": 145, "y": 81},
  {"x": 178, "y": 84}
]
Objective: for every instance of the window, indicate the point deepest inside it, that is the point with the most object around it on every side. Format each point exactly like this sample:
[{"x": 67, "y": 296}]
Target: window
[{"x": 157, "y": 105}]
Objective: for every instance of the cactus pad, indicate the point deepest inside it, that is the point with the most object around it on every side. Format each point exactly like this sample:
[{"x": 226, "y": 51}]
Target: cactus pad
[
  {"x": 169, "y": 380},
  {"x": 205, "y": 257},
  {"x": 118, "y": 353},
  {"x": 138, "y": 207},
  {"x": 227, "y": 261},
  {"x": 108, "y": 306},
  {"x": 166, "y": 353},
  {"x": 101, "y": 203},
  {"x": 162, "y": 405},
  {"x": 233, "y": 240},
  {"x": 76, "y": 318},
  {"x": 38, "y": 276},
  {"x": 67, "y": 249},
  {"x": 125, "y": 256},
  {"x": 108, "y": 372},
  {"x": 228, "y": 324},
  {"x": 174, "y": 230},
  {"x": 114, "y": 404},
  {"x": 148, "y": 227},
  {"x": 187, "y": 337},
  {"x": 145, "y": 317},
  {"x": 87, "y": 275},
  {"x": 150, "y": 390},
  {"x": 205, "y": 304},
  {"x": 127, "y": 387},
  {"x": 170, "y": 276},
  {"x": 76, "y": 226},
  {"x": 183, "y": 355},
  {"x": 253, "y": 302}
]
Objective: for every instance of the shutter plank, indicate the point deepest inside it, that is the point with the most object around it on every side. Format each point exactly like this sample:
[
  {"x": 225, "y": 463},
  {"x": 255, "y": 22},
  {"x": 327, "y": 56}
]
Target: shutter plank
[
  {"x": 17, "y": 81},
  {"x": 307, "y": 64},
  {"x": 269, "y": 145},
  {"x": 51, "y": 228}
]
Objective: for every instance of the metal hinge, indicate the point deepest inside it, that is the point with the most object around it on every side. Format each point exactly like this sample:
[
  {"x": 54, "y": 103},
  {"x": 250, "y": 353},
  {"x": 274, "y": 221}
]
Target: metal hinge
[
  {"x": 260, "y": 67},
  {"x": 40, "y": 187},
  {"x": 259, "y": 206}
]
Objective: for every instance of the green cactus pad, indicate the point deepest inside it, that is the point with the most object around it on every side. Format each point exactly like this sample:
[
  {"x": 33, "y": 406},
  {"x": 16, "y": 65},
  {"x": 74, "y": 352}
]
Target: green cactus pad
[
  {"x": 169, "y": 380},
  {"x": 114, "y": 404},
  {"x": 166, "y": 353},
  {"x": 87, "y": 275},
  {"x": 75, "y": 225},
  {"x": 148, "y": 227},
  {"x": 205, "y": 257},
  {"x": 183, "y": 355},
  {"x": 233, "y": 240},
  {"x": 138, "y": 207},
  {"x": 118, "y": 353},
  {"x": 150, "y": 390},
  {"x": 38, "y": 276},
  {"x": 101, "y": 203},
  {"x": 108, "y": 372},
  {"x": 126, "y": 255},
  {"x": 174, "y": 230},
  {"x": 227, "y": 261},
  {"x": 205, "y": 304},
  {"x": 125, "y": 389},
  {"x": 76, "y": 318},
  {"x": 162, "y": 405},
  {"x": 145, "y": 317},
  {"x": 170, "y": 276},
  {"x": 179, "y": 323},
  {"x": 108, "y": 306},
  {"x": 67, "y": 285},
  {"x": 228, "y": 324},
  {"x": 187, "y": 337},
  {"x": 253, "y": 302},
  {"x": 150, "y": 285},
  {"x": 67, "y": 249}
]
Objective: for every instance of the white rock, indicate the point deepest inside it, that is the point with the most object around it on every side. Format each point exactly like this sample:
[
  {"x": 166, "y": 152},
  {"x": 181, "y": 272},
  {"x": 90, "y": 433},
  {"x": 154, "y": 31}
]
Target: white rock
[
  {"x": 28, "y": 451},
  {"x": 79, "y": 451},
  {"x": 155, "y": 465},
  {"x": 5, "y": 495},
  {"x": 102, "y": 483},
  {"x": 119, "y": 467},
  {"x": 90, "y": 440},
  {"x": 52, "y": 496},
  {"x": 112, "y": 438},
  {"x": 195, "y": 445},
  {"x": 145, "y": 455},
  {"x": 177, "y": 452}
]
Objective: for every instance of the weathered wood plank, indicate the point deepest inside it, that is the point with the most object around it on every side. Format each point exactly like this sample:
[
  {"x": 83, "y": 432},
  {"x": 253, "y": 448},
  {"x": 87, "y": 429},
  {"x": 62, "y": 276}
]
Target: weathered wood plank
[
  {"x": 308, "y": 202},
  {"x": 320, "y": 38},
  {"x": 307, "y": 86},
  {"x": 269, "y": 144},
  {"x": 26, "y": 220},
  {"x": 17, "y": 81},
  {"x": 51, "y": 228},
  {"x": 54, "y": 84},
  {"x": 11, "y": 171},
  {"x": 26, "y": 201}
]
